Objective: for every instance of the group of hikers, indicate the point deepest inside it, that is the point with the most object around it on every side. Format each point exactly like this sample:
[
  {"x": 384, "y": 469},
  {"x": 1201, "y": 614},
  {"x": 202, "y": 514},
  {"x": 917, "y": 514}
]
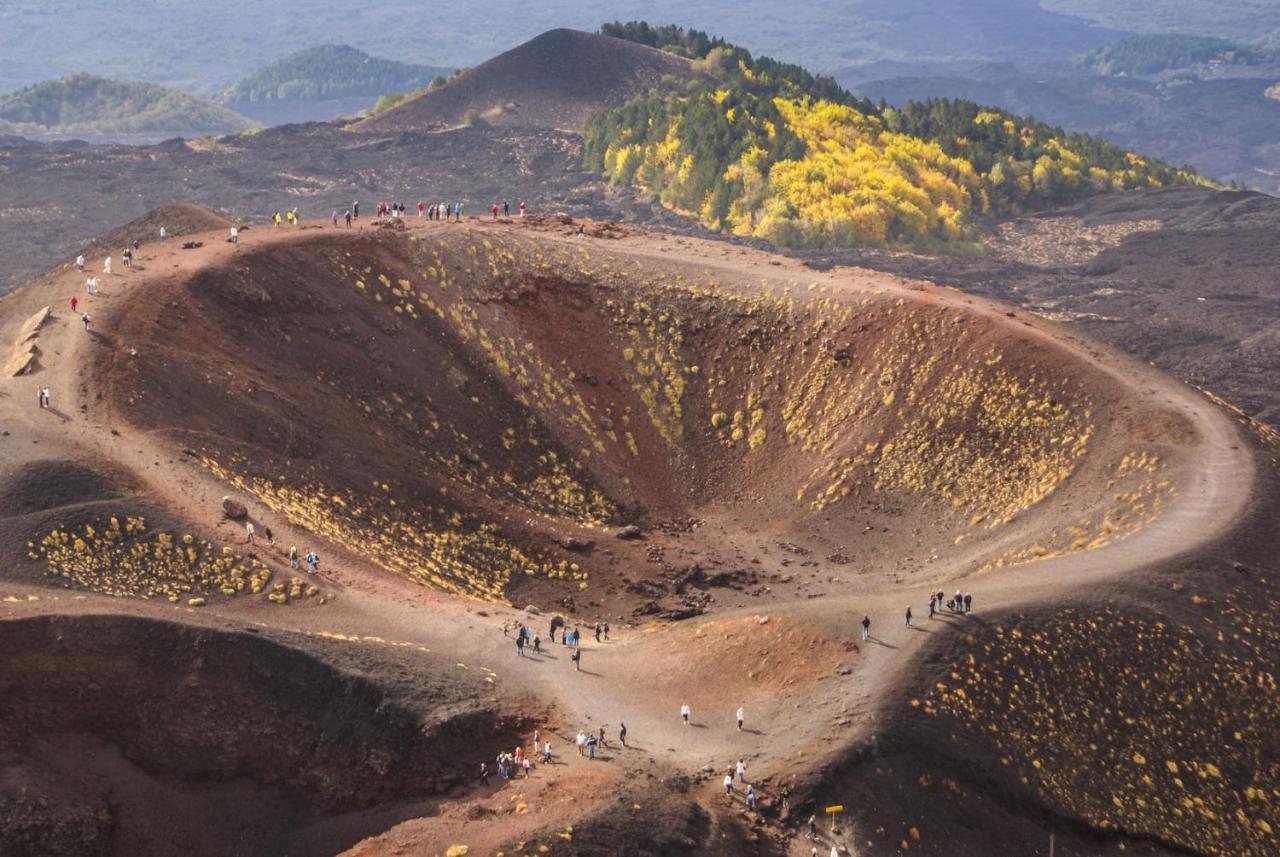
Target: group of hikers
[
  {"x": 526, "y": 638},
  {"x": 444, "y": 211}
]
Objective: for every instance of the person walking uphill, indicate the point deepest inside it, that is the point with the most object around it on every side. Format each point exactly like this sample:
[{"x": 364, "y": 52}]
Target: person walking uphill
[
  {"x": 866, "y": 628},
  {"x": 577, "y": 659},
  {"x": 742, "y": 716},
  {"x": 684, "y": 713}
]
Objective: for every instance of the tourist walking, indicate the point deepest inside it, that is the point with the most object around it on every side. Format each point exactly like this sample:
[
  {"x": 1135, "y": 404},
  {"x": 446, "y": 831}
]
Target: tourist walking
[
  {"x": 908, "y": 616},
  {"x": 577, "y": 659},
  {"x": 163, "y": 234},
  {"x": 932, "y": 603},
  {"x": 235, "y": 235},
  {"x": 87, "y": 320},
  {"x": 80, "y": 263},
  {"x": 622, "y": 734},
  {"x": 728, "y": 785},
  {"x": 73, "y": 303},
  {"x": 741, "y": 770},
  {"x": 684, "y": 713},
  {"x": 248, "y": 532},
  {"x": 742, "y": 715},
  {"x": 293, "y": 556},
  {"x": 866, "y": 628}
]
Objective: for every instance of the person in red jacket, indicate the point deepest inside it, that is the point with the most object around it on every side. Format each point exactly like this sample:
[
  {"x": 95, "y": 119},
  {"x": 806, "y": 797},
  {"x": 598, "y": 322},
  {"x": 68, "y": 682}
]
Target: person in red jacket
[{"x": 422, "y": 207}]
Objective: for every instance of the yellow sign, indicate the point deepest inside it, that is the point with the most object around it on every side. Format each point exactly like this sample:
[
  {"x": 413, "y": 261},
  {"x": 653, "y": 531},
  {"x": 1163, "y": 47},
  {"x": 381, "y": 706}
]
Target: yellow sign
[{"x": 836, "y": 808}]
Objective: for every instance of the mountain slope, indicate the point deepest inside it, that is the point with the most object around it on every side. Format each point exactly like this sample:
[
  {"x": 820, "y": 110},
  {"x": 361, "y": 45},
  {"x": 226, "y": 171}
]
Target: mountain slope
[
  {"x": 769, "y": 150},
  {"x": 556, "y": 80},
  {"x": 325, "y": 72},
  {"x": 94, "y": 106}
]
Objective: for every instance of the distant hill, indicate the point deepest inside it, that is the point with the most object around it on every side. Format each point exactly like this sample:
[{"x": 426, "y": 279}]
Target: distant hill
[
  {"x": 328, "y": 72},
  {"x": 556, "y": 80},
  {"x": 767, "y": 149},
  {"x": 95, "y": 107},
  {"x": 1154, "y": 53}
]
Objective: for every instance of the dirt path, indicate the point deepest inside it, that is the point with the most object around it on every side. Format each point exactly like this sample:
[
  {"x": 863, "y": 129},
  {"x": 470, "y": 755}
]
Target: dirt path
[{"x": 796, "y": 715}]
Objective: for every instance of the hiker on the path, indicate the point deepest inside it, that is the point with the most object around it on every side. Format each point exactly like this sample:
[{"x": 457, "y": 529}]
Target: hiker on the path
[
  {"x": 866, "y": 627},
  {"x": 42, "y": 396},
  {"x": 494, "y": 209},
  {"x": 248, "y": 532},
  {"x": 275, "y": 220},
  {"x": 603, "y": 743},
  {"x": 484, "y": 773},
  {"x": 751, "y": 797},
  {"x": 932, "y": 603},
  {"x": 422, "y": 207},
  {"x": 582, "y": 742},
  {"x": 235, "y": 235},
  {"x": 622, "y": 734},
  {"x": 163, "y": 234},
  {"x": 728, "y": 785},
  {"x": 908, "y": 616},
  {"x": 741, "y": 770},
  {"x": 742, "y": 715},
  {"x": 526, "y": 765},
  {"x": 522, "y": 208},
  {"x": 684, "y": 713},
  {"x": 355, "y": 209},
  {"x": 73, "y": 303},
  {"x": 606, "y": 631},
  {"x": 293, "y": 556},
  {"x": 537, "y": 649},
  {"x": 80, "y": 263},
  {"x": 577, "y": 659},
  {"x": 106, "y": 266},
  {"x": 959, "y": 599},
  {"x": 812, "y": 827},
  {"x": 334, "y": 218},
  {"x": 87, "y": 319},
  {"x": 506, "y": 209},
  {"x": 348, "y": 215},
  {"x": 127, "y": 257},
  {"x": 968, "y": 602},
  {"x": 591, "y": 747},
  {"x": 520, "y": 643},
  {"x": 940, "y": 597},
  {"x": 271, "y": 539},
  {"x": 599, "y": 628}
]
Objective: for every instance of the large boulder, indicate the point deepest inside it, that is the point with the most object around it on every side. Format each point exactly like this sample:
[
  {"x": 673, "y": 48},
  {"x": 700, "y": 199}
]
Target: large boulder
[{"x": 234, "y": 509}]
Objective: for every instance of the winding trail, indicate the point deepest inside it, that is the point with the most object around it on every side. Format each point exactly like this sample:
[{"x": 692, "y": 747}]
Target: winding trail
[{"x": 641, "y": 676}]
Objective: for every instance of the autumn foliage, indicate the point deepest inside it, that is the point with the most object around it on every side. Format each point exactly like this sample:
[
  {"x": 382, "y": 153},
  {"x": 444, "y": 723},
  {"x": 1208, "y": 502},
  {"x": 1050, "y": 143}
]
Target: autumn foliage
[{"x": 765, "y": 150}]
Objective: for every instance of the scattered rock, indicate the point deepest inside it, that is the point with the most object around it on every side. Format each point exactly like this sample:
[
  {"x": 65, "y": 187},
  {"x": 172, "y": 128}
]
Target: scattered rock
[
  {"x": 630, "y": 531},
  {"x": 530, "y": 608},
  {"x": 573, "y": 543},
  {"x": 234, "y": 509}
]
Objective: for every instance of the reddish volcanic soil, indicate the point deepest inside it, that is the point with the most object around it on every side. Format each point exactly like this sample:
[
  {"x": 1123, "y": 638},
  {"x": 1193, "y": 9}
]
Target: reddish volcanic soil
[{"x": 728, "y": 456}]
